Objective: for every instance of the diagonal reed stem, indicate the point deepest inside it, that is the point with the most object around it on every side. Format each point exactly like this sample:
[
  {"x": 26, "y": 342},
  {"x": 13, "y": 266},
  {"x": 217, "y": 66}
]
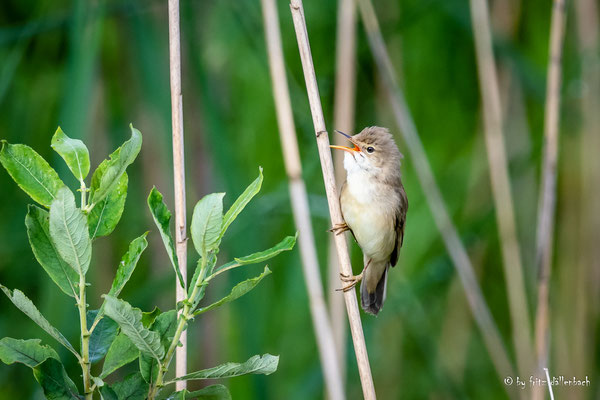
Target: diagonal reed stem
[
  {"x": 178, "y": 174},
  {"x": 547, "y": 204},
  {"x": 458, "y": 254},
  {"x": 360, "y": 348},
  {"x": 299, "y": 198},
  {"x": 343, "y": 119},
  {"x": 501, "y": 191}
]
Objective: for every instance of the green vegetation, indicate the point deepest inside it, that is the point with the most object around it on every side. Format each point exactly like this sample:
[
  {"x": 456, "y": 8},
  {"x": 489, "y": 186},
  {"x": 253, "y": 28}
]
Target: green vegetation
[{"x": 61, "y": 240}]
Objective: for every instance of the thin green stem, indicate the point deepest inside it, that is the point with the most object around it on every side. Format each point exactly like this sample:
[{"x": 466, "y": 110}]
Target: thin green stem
[
  {"x": 85, "y": 340},
  {"x": 83, "y": 191},
  {"x": 186, "y": 314},
  {"x": 85, "y": 333}
]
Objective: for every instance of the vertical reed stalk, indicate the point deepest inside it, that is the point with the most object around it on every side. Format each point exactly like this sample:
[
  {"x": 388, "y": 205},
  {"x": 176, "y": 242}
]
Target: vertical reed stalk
[
  {"x": 456, "y": 250},
  {"x": 588, "y": 280},
  {"x": 547, "y": 204},
  {"x": 178, "y": 174},
  {"x": 299, "y": 198},
  {"x": 501, "y": 190},
  {"x": 312, "y": 89},
  {"x": 343, "y": 119}
]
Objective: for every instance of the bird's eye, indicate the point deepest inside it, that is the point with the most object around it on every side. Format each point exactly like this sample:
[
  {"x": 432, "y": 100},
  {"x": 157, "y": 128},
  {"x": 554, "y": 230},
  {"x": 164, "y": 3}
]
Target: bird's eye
[{"x": 370, "y": 149}]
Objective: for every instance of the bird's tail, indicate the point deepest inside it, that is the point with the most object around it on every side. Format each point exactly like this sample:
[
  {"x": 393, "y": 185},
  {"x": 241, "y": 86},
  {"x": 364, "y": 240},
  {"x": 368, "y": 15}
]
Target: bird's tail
[{"x": 372, "y": 296}]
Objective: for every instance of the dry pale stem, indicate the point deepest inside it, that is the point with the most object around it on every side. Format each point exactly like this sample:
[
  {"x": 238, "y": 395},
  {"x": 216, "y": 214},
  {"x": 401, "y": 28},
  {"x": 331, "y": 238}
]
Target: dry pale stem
[
  {"x": 501, "y": 190},
  {"x": 433, "y": 196},
  {"x": 343, "y": 119},
  {"x": 178, "y": 173},
  {"x": 358, "y": 339},
  {"x": 299, "y": 199},
  {"x": 547, "y": 205}
]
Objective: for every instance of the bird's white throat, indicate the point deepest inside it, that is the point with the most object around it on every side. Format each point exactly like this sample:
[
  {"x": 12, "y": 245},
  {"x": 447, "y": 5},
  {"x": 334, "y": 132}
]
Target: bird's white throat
[{"x": 359, "y": 178}]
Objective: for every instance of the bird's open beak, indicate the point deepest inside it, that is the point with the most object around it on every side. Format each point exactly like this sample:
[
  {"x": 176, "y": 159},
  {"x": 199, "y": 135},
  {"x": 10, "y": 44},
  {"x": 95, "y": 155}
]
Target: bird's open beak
[{"x": 348, "y": 149}]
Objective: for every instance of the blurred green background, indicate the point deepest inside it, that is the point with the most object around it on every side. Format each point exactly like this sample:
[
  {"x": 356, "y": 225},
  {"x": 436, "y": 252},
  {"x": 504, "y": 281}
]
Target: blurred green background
[{"x": 93, "y": 67}]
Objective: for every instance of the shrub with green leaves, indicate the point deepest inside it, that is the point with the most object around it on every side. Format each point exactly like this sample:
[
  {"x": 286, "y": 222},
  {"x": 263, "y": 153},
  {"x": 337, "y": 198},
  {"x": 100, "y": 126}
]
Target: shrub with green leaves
[{"x": 61, "y": 235}]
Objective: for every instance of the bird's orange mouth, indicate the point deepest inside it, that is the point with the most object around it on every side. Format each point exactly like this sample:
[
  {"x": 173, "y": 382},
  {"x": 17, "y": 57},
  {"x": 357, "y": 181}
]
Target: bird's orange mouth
[{"x": 350, "y": 150}]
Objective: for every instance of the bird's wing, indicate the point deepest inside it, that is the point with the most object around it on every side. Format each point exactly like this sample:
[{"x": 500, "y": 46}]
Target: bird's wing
[{"x": 399, "y": 225}]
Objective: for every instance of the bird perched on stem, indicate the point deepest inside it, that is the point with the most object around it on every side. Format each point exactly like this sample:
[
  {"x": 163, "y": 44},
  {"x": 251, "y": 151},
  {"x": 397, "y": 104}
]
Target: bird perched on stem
[{"x": 374, "y": 206}]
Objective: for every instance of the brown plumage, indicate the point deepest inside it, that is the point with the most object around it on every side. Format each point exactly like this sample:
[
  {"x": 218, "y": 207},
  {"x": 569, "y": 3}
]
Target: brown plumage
[{"x": 374, "y": 206}]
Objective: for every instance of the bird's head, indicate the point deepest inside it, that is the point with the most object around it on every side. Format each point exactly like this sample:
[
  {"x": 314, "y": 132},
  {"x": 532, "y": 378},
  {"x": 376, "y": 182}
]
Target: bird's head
[{"x": 374, "y": 152}]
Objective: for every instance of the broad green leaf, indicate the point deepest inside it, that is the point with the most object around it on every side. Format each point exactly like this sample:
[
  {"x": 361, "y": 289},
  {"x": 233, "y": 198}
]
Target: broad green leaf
[
  {"x": 69, "y": 231},
  {"x": 126, "y": 267},
  {"x": 55, "y": 382},
  {"x": 285, "y": 245},
  {"x": 128, "y": 264},
  {"x": 120, "y": 159},
  {"x": 133, "y": 387},
  {"x": 46, "y": 253},
  {"x": 106, "y": 393},
  {"x": 24, "y": 304},
  {"x": 241, "y": 202},
  {"x": 238, "y": 291},
  {"x": 74, "y": 152},
  {"x": 207, "y": 221},
  {"x": 31, "y": 172},
  {"x": 213, "y": 392},
  {"x": 210, "y": 265},
  {"x": 265, "y": 364},
  {"x": 148, "y": 317},
  {"x": 29, "y": 352},
  {"x": 106, "y": 214},
  {"x": 130, "y": 321},
  {"x": 165, "y": 325},
  {"x": 121, "y": 352},
  {"x": 162, "y": 217},
  {"x": 102, "y": 337}
]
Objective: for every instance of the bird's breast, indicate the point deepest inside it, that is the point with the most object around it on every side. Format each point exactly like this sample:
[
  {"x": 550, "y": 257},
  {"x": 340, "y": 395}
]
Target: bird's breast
[{"x": 368, "y": 208}]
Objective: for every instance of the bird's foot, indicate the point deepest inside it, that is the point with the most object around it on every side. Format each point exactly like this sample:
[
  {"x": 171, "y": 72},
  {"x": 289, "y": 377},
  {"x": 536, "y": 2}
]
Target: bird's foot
[
  {"x": 338, "y": 229},
  {"x": 350, "y": 280}
]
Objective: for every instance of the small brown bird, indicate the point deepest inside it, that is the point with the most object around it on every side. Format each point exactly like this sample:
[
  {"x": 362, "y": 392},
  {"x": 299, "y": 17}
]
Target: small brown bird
[{"x": 374, "y": 206}]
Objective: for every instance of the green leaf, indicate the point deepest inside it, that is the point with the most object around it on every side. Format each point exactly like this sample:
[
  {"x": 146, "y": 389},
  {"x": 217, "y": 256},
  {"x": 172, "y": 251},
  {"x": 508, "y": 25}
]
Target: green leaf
[
  {"x": 102, "y": 337},
  {"x": 162, "y": 217},
  {"x": 74, "y": 152},
  {"x": 126, "y": 267},
  {"x": 106, "y": 214},
  {"x": 265, "y": 364},
  {"x": 149, "y": 317},
  {"x": 241, "y": 202},
  {"x": 214, "y": 392},
  {"x": 55, "y": 382},
  {"x": 238, "y": 291},
  {"x": 120, "y": 159},
  {"x": 128, "y": 264},
  {"x": 210, "y": 265},
  {"x": 130, "y": 321},
  {"x": 133, "y": 387},
  {"x": 165, "y": 325},
  {"x": 69, "y": 231},
  {"x": 46, "y": 253},
  {"x": 285, "y": 245},
  {"x": 121, "y": 352},
  {"x": 106, "y": 393},
  {"x": 31, "y": 172},
  {"x": 29, "y": 352},
  {"x": 207, "y": 221},
  {"x": 24, "y": 304}
]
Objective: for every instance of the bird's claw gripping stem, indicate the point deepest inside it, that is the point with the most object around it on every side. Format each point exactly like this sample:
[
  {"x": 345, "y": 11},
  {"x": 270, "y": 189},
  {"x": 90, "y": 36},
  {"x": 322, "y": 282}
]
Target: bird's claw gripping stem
[{"x": 338, "y": 229}]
